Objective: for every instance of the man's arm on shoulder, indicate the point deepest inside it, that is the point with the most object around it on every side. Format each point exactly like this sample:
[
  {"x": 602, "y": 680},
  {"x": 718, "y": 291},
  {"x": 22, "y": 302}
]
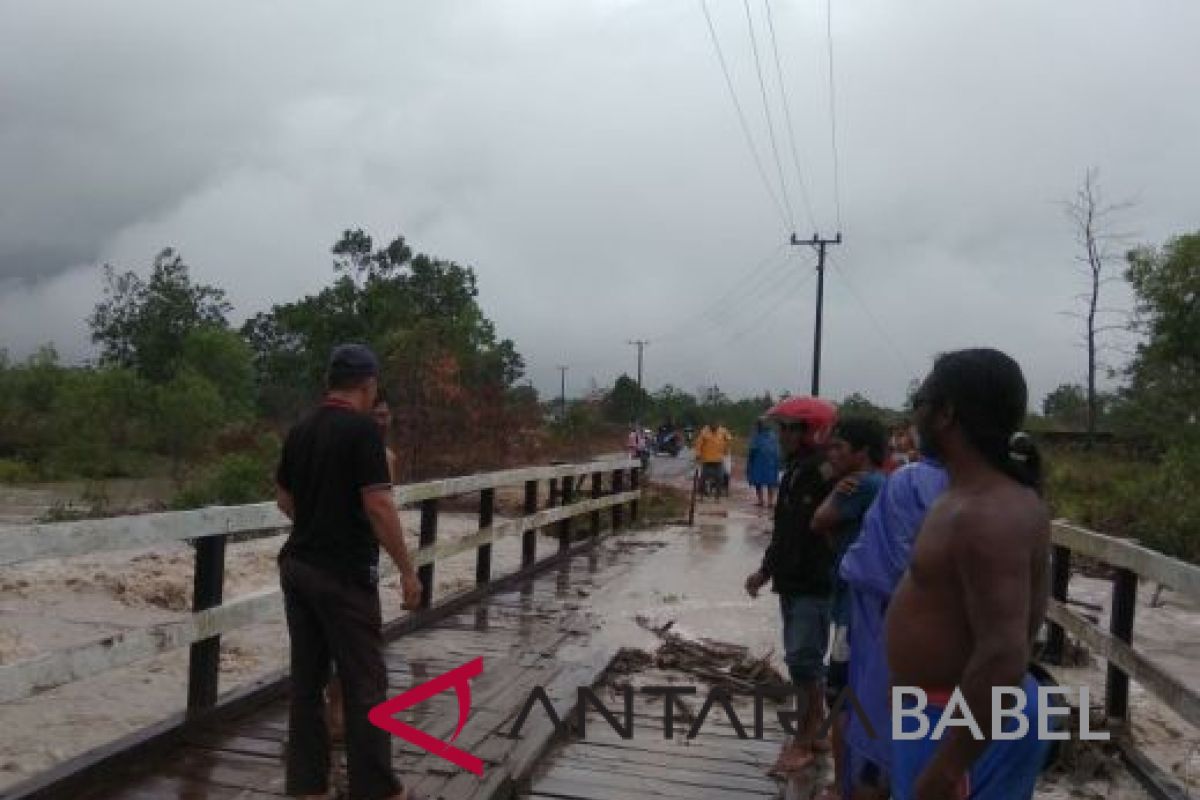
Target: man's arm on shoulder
[{"x": 990, "y": 550}]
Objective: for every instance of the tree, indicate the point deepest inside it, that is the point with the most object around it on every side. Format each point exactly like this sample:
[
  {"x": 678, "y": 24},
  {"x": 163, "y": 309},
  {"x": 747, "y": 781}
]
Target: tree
[
  {"x": 1164, "y": 389},
  {"x": 142, "y": 324},
  {"x": 1067, "y": 405},
  {"x": 188, "y": 412},
  {"x": 226, "y": 361},
  {"x": 676, "y": 405},
  {"x": 857, "y": 405},
  {"x": 1092, "y": 219},
  {"x": 99, "y": 422},
  {"x": 624, "y": 401},
  {"x": 376, "y": 295}
]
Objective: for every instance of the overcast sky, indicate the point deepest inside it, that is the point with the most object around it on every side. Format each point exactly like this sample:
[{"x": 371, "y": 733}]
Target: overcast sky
[{"x": 585, "y": 157}]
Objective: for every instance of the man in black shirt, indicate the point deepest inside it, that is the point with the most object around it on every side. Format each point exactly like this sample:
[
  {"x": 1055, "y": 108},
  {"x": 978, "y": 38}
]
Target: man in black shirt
[
  {"x": 799, "y": 563},
  {"x": 334, "y": 484}
]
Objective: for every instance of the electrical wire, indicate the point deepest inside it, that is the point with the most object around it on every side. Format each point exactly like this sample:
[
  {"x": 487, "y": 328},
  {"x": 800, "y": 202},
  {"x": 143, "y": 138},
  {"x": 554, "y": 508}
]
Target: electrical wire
[
  {"x": 741, "y": 115},
  {"x": 787, "y": 115},
  {"x": 888, "y": 339},
  {"x": 786, "y": 294},
  {"x": 762, "y": 87},
  {"x": 752, "y": 277},
  {"x": 837, "y": 190}
]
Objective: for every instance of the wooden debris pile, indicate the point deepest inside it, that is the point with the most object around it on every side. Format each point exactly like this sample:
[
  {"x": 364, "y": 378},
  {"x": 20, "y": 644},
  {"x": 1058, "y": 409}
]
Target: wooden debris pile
[{"x": 729, "y": 666}]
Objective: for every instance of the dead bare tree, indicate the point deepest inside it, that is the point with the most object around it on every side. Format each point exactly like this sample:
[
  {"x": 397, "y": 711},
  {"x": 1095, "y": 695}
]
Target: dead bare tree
[{"x": 1093, "y": 220}]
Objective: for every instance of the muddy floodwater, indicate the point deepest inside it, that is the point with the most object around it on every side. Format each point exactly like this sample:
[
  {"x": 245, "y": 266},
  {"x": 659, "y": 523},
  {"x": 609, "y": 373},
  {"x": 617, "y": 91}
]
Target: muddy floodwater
[{"x": 692, "y": 577}]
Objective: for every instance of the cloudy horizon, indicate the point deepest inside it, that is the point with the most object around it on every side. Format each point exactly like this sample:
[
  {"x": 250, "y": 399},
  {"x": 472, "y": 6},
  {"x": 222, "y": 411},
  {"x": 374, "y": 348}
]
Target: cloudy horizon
[{"x": 586, "y": 160}]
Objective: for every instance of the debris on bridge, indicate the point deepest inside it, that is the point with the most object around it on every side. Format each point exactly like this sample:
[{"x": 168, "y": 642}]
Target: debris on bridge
[{"x": 722, "y": 664}]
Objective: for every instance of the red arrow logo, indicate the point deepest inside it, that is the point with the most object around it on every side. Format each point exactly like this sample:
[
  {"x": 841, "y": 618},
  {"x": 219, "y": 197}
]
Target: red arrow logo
[{"x": 381, "y": 716}]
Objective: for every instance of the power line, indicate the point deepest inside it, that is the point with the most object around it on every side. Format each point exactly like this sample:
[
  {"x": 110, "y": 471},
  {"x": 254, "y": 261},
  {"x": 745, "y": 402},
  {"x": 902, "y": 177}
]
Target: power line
[
  {"x": 751, "y": 277},
  {"x": 785, "y": 294},
  {"x": 762, "y": 173},
  {"x": 787, "y": 115},
  {"x": 888, "y": 340},
  {"x": 837, "y": 191},
  {"x": 762, "y": 87}
]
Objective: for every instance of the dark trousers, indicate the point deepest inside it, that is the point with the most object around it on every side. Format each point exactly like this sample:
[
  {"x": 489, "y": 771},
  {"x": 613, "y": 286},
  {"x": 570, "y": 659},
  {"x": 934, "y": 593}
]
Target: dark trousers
[{"x": 330, "y": 617}]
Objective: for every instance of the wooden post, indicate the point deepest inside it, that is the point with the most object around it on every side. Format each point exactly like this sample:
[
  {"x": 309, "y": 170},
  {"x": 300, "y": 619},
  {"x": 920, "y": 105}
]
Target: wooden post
[
  {"x": 552, "y": 499},
  {"x": 618, "y": 512},
  {"x": 1124, "y": 602},
  {"x": 483, "y": 557},
  {"x": 1060, "y": 581},
  {"x": 564, "y": 527},
  {"x": 429, "y": 520},
  {"x": 204, "y": 662},
  {"x": 635, "y": 482},
  {"x": 529, "y": 538},
  {"x": 597, "y": 485}
]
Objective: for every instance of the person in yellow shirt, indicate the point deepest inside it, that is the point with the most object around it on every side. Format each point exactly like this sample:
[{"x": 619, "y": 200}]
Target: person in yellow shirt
[{"x": 711, "y": 447}]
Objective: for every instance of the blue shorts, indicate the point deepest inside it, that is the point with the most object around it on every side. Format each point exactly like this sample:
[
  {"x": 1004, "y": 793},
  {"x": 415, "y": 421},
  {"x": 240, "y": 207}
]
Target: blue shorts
[
  {"x": 1007, "y": 770},
  {"x": 805, "y": 636}
]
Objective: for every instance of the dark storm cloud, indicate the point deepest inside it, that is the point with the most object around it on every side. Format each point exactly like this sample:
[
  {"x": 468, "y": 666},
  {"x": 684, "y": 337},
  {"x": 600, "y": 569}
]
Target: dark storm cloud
[{"x": 586, "y": 159}]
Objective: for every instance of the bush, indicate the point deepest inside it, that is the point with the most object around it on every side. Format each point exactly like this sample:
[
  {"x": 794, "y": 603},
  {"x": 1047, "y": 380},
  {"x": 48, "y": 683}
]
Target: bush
[
  {"x": 234, "y": 480},
  {"x": 1155, "y": 502},
  {"x": 1166, "y": 503},
  {"x": 13, "y": 471}
]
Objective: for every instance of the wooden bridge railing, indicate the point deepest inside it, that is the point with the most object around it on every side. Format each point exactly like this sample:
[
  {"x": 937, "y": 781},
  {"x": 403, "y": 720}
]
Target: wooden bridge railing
[
  {"x": 1131, "y": 562},
  {"x": 209, "y": 529}
]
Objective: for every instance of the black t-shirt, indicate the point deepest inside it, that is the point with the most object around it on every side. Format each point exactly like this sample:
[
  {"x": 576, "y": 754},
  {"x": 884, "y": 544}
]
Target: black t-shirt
[
  {"x": 798, "y": 560},
  {"x": 329, "y": 458}
]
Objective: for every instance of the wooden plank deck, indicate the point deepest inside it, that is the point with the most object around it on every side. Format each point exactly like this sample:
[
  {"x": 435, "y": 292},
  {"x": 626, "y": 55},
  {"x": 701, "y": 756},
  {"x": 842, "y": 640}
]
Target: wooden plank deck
[
  {"x": 717, "y": 763},
  {"x": 536, "y": 634}
]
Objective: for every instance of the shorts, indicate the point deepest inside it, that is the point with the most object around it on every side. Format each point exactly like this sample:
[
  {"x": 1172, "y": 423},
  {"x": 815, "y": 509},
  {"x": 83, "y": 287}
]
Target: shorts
[
  {"x": 839, "y": 662},
  {"x": 1007, "y": 769},
  {"x": 805, "y": 636}
]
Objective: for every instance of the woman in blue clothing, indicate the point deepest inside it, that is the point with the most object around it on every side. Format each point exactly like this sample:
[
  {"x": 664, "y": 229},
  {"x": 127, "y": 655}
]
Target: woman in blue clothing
[{"x": 762, "y": 463}]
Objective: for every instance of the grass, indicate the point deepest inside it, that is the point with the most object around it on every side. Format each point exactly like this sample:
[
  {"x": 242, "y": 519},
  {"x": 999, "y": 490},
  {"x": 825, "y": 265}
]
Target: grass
[{"x": 1156, "y": 502}]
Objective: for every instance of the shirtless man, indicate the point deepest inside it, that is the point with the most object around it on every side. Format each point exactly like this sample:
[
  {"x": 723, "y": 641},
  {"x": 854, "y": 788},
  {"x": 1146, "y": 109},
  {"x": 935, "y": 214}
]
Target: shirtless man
[{"x": 965, "y": 614}]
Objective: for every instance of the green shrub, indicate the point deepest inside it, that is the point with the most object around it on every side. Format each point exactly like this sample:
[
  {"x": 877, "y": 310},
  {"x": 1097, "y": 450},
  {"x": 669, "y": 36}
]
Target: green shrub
[
  {"x": 233, "y": 480},
  {"x": 13, "y": 471},
  {"x": 1156, "y": 502},
  {"x": 1165, "y": 503}
]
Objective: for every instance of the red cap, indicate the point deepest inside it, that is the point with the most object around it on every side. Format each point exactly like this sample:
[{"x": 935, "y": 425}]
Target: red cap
[{"x": 818, "y": 414}]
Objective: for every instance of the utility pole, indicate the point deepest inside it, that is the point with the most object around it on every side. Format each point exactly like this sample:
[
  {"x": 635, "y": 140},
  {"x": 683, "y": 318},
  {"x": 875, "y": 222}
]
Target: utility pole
[
  {"x": 640, "y": 344},
  {"x": 562, "y": 395},
  {"x": 819, "y": 243}
]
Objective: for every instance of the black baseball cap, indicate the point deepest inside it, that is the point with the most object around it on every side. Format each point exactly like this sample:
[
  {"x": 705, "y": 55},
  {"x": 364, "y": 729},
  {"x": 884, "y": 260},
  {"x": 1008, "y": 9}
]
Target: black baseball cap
[{"x": 350, "y": 361}]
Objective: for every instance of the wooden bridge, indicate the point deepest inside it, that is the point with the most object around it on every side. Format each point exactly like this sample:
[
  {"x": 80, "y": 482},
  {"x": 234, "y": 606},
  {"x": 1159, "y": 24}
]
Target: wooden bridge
[{"x": 535, "y": 626}]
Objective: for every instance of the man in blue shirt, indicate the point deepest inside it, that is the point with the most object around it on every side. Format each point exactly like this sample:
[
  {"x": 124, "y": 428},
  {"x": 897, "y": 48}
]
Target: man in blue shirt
[{"x": 856, "y": 453}]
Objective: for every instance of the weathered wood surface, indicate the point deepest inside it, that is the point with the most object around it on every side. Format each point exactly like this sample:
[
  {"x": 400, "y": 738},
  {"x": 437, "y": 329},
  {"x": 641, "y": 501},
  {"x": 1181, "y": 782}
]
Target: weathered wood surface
[
  {"x": 1183, "y": 699},
  {"x": 24, "y": 543},
  {"x": 37, "y": 674},
  {"x": 717, "y": 763},
  {"x": 1178, "y": 575},
  {"x": 537, "y": 634}
]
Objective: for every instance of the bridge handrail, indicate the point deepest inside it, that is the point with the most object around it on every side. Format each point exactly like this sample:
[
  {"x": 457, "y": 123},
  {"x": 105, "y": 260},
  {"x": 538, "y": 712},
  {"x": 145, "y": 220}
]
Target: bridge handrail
[
  {"x": 211, "y": 618},
  {"x": 1131, "y": 562},
  {"x": 34, "y": 542}
]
